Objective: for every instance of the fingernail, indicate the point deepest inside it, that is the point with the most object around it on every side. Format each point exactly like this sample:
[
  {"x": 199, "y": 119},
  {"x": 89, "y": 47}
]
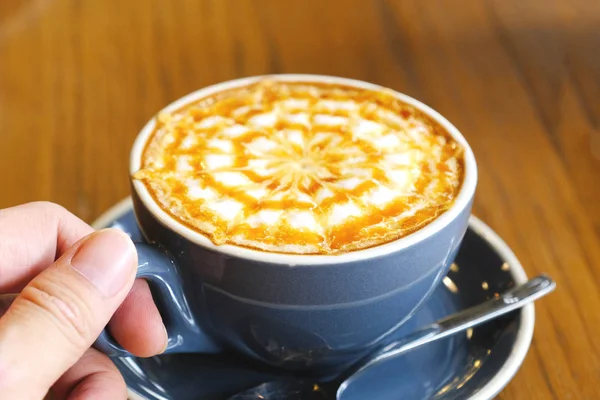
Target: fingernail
[
  {"x": 107, "y": 260},
  {"x": 166, "y": 341}
]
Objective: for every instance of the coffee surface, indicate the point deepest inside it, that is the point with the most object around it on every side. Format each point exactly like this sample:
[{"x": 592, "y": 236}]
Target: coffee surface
[{"x": 301, "y": 168}]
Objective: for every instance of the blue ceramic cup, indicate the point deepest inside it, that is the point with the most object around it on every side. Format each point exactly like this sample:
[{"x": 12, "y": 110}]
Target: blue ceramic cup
[{"x": 310, "y": 312}]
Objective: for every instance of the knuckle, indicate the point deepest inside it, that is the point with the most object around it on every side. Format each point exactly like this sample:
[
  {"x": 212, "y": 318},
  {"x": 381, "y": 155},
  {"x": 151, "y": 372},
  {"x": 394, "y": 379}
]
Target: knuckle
[
  {"x": 47, "y": 206},
  {"x": 50, "y": 209},
  {"x": 64, "y": 310}
]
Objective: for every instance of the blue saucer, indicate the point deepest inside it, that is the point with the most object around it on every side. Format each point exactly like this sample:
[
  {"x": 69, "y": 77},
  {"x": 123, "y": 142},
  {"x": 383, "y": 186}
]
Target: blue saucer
[{"x": 472, "y": 366}]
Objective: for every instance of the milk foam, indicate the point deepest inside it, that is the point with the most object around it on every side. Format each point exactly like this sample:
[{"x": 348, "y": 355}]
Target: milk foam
[{"x": 302, "y": 168}]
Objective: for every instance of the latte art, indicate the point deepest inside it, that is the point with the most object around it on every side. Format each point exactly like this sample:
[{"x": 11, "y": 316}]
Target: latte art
[{"x": 301, "y": 168}]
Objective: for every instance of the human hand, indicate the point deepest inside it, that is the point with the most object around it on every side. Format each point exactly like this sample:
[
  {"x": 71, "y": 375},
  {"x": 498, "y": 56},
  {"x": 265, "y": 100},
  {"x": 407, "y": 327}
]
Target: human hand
[{"x": 71, "y": 280}]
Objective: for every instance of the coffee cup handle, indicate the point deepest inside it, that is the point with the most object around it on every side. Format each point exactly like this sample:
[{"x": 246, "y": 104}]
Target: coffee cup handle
[{"x": 183, "y": 332}]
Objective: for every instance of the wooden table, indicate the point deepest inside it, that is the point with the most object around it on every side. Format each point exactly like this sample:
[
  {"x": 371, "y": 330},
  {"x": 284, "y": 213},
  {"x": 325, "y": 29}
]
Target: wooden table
[{"x": 520, "y": 79}]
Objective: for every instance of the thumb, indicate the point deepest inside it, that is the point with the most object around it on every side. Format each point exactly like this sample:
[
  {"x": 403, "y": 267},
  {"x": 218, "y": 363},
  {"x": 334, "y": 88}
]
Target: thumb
[{"x": 61, "y": 312}]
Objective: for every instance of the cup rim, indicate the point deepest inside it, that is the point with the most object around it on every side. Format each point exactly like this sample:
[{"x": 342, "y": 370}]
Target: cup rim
[{"x": 463, "y": 199}]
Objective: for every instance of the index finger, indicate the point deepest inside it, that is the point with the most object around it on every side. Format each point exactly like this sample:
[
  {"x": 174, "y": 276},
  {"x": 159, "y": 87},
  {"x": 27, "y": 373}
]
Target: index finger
[{"x": 33, "y": 236}]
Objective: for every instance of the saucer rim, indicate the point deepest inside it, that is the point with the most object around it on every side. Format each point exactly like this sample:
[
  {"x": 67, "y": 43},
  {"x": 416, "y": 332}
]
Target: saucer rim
[{"x": 523, "y": 337}]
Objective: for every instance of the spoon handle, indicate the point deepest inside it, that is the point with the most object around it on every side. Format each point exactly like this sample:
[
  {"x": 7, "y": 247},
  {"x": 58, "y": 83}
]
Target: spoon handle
[{"x": 509, "y": 301}]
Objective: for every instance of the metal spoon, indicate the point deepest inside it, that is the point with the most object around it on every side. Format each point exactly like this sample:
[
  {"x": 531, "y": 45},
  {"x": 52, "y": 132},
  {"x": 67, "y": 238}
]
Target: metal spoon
[{"x": 297, "y": 388}]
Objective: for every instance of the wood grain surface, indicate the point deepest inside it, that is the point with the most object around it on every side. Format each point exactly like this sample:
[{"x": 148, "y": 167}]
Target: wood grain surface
[{"x": 520, "y": 79}]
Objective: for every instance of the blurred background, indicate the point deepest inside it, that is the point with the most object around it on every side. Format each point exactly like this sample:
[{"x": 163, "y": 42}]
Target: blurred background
[{"x": 520, "y": 79}]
